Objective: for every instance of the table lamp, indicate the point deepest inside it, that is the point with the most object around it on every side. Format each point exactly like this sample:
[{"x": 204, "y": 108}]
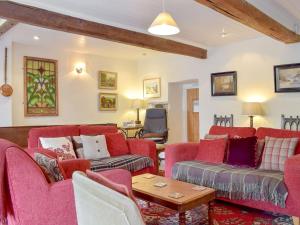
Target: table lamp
[
  {"x": 252, "y": 109},
  {"x": 138, "y": 104}
]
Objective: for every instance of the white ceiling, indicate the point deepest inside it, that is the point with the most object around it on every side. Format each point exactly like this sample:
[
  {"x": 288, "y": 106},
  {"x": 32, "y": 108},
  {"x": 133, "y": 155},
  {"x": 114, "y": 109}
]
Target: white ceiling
[{"x": 199, "y": 25}]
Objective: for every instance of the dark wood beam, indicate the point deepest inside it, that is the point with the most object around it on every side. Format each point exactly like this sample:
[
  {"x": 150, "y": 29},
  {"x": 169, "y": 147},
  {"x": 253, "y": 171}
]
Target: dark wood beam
[
  {"x": 7, "y": 26},
  {"x": 249, "y": 15},
  {"x": 51, "y": 20}
]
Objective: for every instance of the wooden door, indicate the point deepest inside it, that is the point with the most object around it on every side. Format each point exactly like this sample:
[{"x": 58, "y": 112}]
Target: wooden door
[{"x": 193, "y": 115}]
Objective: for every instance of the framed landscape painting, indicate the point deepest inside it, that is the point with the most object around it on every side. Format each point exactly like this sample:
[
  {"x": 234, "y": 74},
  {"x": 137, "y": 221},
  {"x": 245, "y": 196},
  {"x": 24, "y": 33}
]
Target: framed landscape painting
[
  {"x": 107, "y": 80},
  {"x": 108, "y": 101},
  {"x": 152, "y": 88},
  {"x": 40, "y": 87},
  {"x": 287, "y": 78},
  {"x": 224, "y": 84}
]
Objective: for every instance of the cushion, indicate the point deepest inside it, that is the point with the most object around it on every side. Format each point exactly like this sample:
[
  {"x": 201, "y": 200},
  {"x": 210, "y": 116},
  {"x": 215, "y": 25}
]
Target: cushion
[
  {"x": 212, "y": 150},
  {"x": 116, "y": 144},
  {"x": 259, "y": 151},
  {"x": 121, "y": 188},
  {"x": 50, "y": 167},
  {"x": 241, "y": 151},
  {"x": 94, "y": 147},
  {"x": 62, "y": 146},
  {"x": 276, "y": 152},
  {"x": 215, "y": 136},
  {"x": 78, "y": 146}
]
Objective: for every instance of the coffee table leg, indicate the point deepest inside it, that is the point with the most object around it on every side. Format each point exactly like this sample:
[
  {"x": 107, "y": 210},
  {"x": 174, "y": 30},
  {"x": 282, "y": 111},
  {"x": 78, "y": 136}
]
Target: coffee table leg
[
  {"x": 182, "y": 218},
  {"x": 210, "y": 222}
]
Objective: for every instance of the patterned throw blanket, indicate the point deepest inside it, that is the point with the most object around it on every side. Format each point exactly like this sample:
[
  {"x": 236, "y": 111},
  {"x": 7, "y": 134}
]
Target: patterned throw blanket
[
  {"x": 129, "y": 162},
  {"x": 234, "y": 183}
]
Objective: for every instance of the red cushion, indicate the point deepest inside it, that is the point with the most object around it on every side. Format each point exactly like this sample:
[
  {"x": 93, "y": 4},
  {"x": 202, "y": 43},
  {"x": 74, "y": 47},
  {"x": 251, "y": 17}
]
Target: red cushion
[
  {"x": 55, "y": 131},
  {"x": 116, "y": 144},
  {"x": 262, "y": 132},
  {"x": 233, "y": 131},
  {"x": 97, "y": 130},
  {"x": 212, "y": 150}
]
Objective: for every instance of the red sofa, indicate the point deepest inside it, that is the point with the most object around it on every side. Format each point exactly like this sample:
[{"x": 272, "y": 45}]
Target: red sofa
[
  {"x": 136, "y": 146},
  {"x": 188, "y": 151},
  {"x": 29, "y": 198}
]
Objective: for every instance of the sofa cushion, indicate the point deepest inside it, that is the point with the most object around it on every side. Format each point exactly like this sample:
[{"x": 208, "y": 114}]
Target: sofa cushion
[
  {"x": 235, "y": 183},
  {"x": 116, "y": 144},
  {"x": 55, "y": 131},
  {"x": 259, "y": 152},
  {"x": 94, "y": 147},
  {"x": 263, "y": 132},
  {"x": 97, "y": 129},
  {"x": 277, "y": 151},
  {"x": 62, "y": 146},
  {"x": 233, "y": 131},
  {"x": 212, "y": 150},
  {"x": 132, "y": 163},
  {"x": 241, "y": 151},
  {"x": 78, "y": 146},
  {"x": 50, "y": 167}
]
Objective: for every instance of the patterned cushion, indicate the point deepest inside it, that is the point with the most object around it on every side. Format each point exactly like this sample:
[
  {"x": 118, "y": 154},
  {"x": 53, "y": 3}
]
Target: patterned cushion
[
  {"x": 78, "y": 146},
  {"x": 49, "y": 166},
  {"x": 62, "y": 146},
  {"x": 276, "y": 151},
  {"x": 132, "y": 163},
  {"x": 259, "y": 151}
]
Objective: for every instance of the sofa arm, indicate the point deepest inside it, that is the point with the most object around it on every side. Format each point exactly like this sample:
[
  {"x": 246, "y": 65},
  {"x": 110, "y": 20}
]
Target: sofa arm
[
  {"x": 177, "y": 153},
  {"x": 145, "y": 148},
  {"x": 292, "y": 181},
  {"x": 72, "y": 165}
]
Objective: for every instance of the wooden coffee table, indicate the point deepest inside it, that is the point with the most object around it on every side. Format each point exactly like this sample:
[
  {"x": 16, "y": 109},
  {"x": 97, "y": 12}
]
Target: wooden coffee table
[{"x": 144, "y": 188}]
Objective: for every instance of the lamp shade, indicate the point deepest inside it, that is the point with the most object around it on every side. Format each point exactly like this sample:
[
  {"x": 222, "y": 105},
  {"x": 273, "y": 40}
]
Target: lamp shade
[
  {"x": 252, "y": 109},
  {"x": 164, "y": 24},
  {"x": 138, "y": 104}
]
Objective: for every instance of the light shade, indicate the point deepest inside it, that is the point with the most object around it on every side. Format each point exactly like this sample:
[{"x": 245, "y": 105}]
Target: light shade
[
  {"x": 164, "y": 24},
  {"x": 252, "y": 109},
  {"x": 138, "y": 104}
]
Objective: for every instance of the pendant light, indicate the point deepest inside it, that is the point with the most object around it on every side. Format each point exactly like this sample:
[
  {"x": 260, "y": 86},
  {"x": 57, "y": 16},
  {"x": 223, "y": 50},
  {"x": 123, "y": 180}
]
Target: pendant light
[{"x": 164, "y": 24}]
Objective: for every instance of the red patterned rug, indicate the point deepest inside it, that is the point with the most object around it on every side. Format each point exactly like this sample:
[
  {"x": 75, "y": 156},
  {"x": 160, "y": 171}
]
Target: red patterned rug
[{"x": 222, "y": 214}]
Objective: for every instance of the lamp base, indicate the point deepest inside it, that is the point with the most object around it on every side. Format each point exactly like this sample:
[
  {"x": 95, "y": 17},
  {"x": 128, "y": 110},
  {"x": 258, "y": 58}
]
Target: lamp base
[
  {"x": 138, "y": 122},
  {"x": 251, "y": 121}
]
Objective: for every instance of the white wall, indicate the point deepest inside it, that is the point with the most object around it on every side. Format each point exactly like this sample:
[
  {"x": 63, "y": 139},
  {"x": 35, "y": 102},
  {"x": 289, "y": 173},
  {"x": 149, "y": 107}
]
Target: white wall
[
  {"x": 253, "y": 60},
  {"x": 78, "y": 94}
]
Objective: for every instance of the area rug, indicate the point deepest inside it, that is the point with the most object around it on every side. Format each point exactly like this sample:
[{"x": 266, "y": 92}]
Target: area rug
[{"x": 221, "y": 214}]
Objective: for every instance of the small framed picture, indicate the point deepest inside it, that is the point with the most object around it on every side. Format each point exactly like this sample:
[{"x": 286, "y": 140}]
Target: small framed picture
[
  {"x": 108, "y": 101},
  {"x": 224, "y": 84},
  {"x": 107, "y": 80},
  {"x": 287, "y": 78},
  {"x": 152, "y": 88}
]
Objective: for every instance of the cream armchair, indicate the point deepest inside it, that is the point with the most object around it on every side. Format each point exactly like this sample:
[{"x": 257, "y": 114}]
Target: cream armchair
[{"x": 99, "y": 205}]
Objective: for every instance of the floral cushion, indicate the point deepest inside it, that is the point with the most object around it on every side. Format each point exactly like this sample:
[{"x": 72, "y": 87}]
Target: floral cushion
[
  {"x": 62, "y": 146},
  {"x": 49, "y": 166}
]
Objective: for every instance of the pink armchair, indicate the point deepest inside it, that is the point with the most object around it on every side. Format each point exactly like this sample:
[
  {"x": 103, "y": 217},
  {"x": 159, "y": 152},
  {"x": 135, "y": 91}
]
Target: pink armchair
[{"x": 33, "y": 200}]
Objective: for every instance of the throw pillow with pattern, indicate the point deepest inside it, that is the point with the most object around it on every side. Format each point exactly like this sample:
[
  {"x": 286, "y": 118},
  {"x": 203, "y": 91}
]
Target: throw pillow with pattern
[
  {"x": 62, "y": 146},
  {"x": 78, "y": 146},
  {"x": 276, "y": 152},
  {"x": 50, "y": 167}
]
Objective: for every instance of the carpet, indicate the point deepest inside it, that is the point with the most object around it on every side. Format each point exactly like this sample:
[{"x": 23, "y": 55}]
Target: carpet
[{"x": 221, "y": 214}]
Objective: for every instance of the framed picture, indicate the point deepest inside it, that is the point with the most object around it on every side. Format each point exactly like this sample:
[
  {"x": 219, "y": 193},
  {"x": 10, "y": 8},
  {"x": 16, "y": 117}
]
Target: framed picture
[
  {"x": 107, "y": 80},
  {"x": 224, "y": 84},
  {"x": 287, "y": 78},
  {"x": 108, "y": 101},
  {"x": 40, "y": 87},
  {"x": 152, "y": 88}
]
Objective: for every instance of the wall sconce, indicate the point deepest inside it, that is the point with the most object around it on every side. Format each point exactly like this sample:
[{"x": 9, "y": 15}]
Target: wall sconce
[{"x": 79, "y": 68}]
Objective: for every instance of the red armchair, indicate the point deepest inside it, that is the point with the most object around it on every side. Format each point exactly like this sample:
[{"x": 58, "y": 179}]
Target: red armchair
[{"x": 33, "y": 200}]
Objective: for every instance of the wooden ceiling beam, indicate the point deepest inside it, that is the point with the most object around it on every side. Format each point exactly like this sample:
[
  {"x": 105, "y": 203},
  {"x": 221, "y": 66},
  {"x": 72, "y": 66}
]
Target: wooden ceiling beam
[
  {"x": 7, "y": 26},
  {"x": 56, "y": 21},
  {"x": 249, "y": 15}
]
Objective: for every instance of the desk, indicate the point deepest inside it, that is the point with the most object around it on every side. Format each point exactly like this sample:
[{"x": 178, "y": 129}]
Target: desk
[{"x": 126, "y": 130}]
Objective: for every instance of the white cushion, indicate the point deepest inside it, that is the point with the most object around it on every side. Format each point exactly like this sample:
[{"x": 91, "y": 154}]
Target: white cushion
[
  {"x": 62, "y": 146},
  {"x": 94, "y": 147}
]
